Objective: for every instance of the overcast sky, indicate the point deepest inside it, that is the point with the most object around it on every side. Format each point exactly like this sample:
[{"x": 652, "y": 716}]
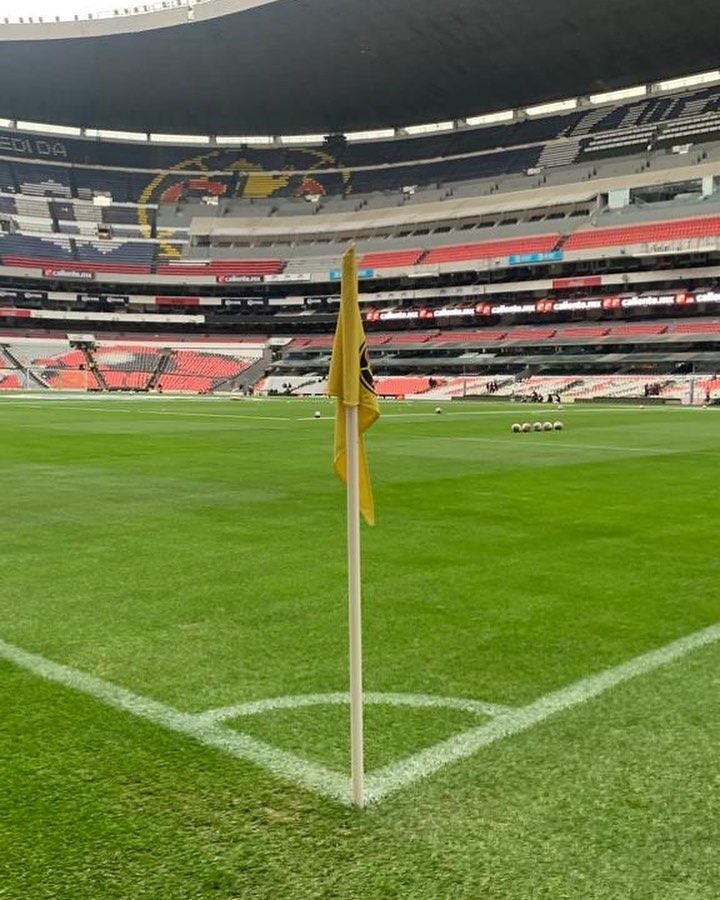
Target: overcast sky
[{"x": 66, "y": 9}]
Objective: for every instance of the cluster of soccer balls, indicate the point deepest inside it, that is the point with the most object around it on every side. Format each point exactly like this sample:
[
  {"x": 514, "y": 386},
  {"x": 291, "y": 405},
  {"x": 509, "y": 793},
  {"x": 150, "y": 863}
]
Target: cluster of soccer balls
[{"x": 537, "y": 426}]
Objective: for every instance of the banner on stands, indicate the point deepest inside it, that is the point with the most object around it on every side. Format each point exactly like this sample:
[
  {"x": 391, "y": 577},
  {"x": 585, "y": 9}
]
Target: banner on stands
[
  {"x": 240, "y": 279},
  {"x": 336, "y": 274},
  {"x": 284, "y": 277},
  {"x": 69, "y": 273},
  {"x": 524, "y": 259}
]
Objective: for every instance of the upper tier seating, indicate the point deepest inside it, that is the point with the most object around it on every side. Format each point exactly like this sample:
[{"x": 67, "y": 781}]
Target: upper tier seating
[
  {"x": 17, "y": 248},
  {"x": 149, "y": 173},
  {"x": 132, "y": 257}
]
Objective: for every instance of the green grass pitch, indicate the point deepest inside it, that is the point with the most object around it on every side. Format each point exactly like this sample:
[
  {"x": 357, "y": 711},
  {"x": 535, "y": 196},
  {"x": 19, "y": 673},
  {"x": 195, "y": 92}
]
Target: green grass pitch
[{"x": 192, "y": 552}]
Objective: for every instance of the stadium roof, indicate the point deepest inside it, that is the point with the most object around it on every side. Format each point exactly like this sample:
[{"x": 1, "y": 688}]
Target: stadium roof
[{"x": 308, "y": 66}]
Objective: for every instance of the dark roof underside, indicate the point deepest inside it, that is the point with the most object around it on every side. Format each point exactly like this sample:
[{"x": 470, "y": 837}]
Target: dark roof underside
[{"x": 306, "y": 66}]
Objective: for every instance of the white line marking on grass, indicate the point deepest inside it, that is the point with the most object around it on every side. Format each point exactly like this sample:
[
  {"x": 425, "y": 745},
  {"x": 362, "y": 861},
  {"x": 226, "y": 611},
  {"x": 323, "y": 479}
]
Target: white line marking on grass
[
  {"x": 417, "y": 701},
  {"x": 105, "y": 404},
  {"x": 208, "y": 727},
  {"x": 381, "y": 783},
  {"x": 172, "y": 412},
  {"x": 280, "y": 762},
  {"x": 512, "y": 442}
]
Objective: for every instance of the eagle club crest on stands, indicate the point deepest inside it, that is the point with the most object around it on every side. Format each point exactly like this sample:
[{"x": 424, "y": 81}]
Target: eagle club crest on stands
[{"x": 366, "y": 375}]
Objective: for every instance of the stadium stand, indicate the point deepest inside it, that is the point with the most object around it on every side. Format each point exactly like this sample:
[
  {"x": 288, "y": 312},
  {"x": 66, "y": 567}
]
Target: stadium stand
[
  {"x": 492, "y": 249},
  {"x": 657, "y": 232},
  {"x": 356, "y": 169},
  {"x": 110, "y": 210},
  {"x": 9, "y": 380},
  {"x": 403, "y": 386}
]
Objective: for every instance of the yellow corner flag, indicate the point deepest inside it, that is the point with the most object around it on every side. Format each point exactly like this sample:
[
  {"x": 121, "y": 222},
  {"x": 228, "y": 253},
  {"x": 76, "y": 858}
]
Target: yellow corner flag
[{"x": 351, "y": 382}]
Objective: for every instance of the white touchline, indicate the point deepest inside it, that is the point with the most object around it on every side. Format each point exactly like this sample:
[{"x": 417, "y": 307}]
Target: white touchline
[{"x": 208, "y": 727}]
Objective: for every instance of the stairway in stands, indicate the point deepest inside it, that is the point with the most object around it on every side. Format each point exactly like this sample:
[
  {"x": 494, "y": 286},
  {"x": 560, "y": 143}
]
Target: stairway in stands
[
  {"x": 162, "y": 363},
  {"x": 558, "y": 153},
  {"x": 249, "y": 376},
  {"x": 93, "y": 367},
  {"x": 28, "y": 374}
]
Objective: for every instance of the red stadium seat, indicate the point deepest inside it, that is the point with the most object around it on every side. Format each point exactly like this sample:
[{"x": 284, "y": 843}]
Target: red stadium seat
[
  {"x": 656, "y": 232},
  {"x": 544, "y": 243},
  {"x": 401, "y": 386},
  {"x": 390, "y": 259}
]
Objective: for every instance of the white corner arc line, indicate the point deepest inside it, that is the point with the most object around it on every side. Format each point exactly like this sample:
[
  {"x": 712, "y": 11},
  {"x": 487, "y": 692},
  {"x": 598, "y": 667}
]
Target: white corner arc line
[
  {"x": 380, "y": 783},
  {"x": 417, "y": 701}
]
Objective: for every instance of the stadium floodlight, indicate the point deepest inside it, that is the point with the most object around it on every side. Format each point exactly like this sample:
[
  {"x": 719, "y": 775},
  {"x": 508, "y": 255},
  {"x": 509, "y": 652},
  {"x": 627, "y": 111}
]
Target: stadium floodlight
[
  {"x": 505, "y": 115},
  {"x": 674, "y": 84},
  {"x": 105, "y": 134},
  {"x": 430, "y": 127},
  {"x": 50, "y": 10},
  {"x": 639, "y": 90},
  {"x": 45, "y": 128},
  {"x": 254, "y": 140},
  {"x": 546, "y": 109},
  {"x": 30, "y": 11},
  {"x": 374, "y": 135},
  {"x": 302, "y": 138},
  {"x": 180, "y": 138}
]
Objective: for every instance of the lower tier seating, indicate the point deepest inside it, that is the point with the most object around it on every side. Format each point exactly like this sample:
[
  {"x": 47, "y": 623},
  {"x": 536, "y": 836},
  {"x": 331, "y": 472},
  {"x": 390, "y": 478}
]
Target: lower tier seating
[
  {"x": 403, "y": 386},
  {"x": 10, "y": 381}
]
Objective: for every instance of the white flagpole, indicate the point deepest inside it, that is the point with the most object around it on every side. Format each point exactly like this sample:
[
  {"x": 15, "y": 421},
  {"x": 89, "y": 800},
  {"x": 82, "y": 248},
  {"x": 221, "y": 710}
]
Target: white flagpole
[{"x": 357, "y": 765}]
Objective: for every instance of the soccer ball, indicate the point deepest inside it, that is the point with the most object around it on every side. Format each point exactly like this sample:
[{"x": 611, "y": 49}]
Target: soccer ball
[
  {"x": 516, "y": 428},
  {"x": 537, "y": 426},
  {"x": 547, "y": 426},
  {"x": 317, "y": 413},
  {"x": 438, "y": 410},
  {"x": 526, "y": 427},
  {"x": 558, "y": 426}
]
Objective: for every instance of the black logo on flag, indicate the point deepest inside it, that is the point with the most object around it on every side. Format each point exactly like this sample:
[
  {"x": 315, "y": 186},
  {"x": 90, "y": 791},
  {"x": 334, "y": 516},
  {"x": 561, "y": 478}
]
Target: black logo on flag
[{"x": 366, "y": 375}]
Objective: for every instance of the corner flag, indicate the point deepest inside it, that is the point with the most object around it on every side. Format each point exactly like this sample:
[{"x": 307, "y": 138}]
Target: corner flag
[{"x": 351, "y": 383}]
